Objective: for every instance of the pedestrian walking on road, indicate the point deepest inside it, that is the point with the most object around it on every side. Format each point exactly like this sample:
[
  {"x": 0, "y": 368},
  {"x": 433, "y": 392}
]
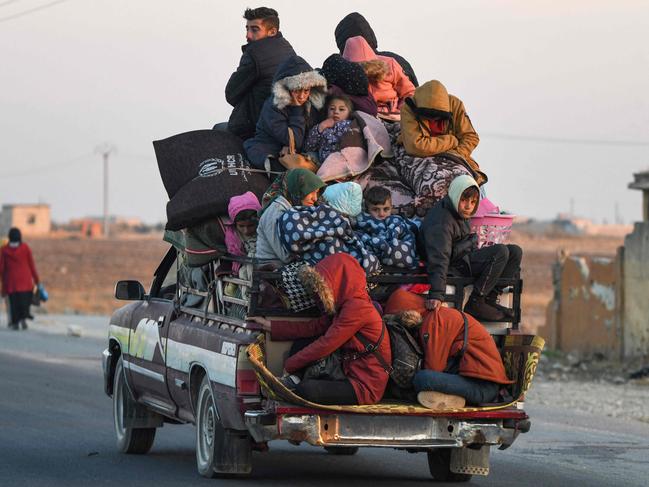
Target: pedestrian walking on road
[{"x": 19, "y": 277}]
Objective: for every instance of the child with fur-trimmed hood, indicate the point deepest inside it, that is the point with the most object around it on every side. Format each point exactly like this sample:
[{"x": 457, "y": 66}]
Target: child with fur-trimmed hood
[{"x": 298, "y": 91}]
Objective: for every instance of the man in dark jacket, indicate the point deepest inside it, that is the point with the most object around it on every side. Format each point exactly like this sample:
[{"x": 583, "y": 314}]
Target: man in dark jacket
[
  {"x": 249, "y": 85},
  {"x": 451, "y": 249},
  {"x": 354, "y": 25}
]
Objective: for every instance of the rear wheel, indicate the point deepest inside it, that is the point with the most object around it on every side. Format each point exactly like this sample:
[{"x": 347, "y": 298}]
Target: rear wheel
[
  {"x": 342, "y": 450},
  {"x": 218, "y": 450},
  {"x": 439, "y": 464},
  {"x": 129, "y": 440}
]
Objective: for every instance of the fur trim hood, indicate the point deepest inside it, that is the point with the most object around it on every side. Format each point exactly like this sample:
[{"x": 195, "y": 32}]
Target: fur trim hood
[
  {"x": 335, "y": 279},
  {"x": 295, "y": 74}
]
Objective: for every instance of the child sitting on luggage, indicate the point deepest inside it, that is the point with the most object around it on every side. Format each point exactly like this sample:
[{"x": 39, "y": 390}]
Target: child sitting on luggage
[
  {"x": 324, "y": 138},
  {"x": 451, "y": 248},
  {"x": 297, "y": 92}
]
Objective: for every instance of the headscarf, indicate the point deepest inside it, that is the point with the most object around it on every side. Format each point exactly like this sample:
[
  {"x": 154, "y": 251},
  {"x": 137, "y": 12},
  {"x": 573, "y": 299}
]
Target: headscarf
[
  {"x": 345, "y": 197},
  {"x": 293, "y": 185},
  {"x": 14, "y": 235},
  {"x": 233, "y": 241}
]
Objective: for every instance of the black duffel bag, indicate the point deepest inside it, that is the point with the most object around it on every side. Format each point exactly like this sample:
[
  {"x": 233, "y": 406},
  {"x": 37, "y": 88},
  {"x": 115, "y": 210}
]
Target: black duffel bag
[{"x": 201, "y": 171}]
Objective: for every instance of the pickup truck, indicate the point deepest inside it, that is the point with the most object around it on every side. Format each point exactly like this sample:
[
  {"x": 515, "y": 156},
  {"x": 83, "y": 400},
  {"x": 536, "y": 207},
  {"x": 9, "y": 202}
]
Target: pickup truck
[{"x": 184, "y": 352}]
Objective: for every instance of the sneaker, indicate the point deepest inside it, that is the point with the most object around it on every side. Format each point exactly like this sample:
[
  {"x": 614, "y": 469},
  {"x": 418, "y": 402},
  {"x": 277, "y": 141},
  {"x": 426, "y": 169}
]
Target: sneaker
[
  {"x": 290, "y": 381},
  {"x": 439, "y": 400},
  {"x": 482, "y": 311}
]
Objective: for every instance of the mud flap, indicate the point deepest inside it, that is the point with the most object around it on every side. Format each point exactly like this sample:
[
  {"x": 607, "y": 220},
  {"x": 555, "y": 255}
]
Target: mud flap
[
  {"x": 470, "y": 461},
  {"x": 233, "y": 452}
]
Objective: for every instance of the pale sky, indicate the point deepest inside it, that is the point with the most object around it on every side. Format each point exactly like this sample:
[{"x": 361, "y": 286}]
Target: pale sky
[{"x": 128, "y": 72}]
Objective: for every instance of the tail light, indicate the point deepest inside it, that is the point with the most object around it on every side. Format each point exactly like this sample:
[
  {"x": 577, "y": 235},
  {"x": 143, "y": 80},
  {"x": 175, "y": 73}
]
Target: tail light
[{"x": 247, "y": 383}]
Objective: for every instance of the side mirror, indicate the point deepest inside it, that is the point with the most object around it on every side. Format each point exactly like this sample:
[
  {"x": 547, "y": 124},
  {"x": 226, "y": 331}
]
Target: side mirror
[{"x": 129, "y": 290}]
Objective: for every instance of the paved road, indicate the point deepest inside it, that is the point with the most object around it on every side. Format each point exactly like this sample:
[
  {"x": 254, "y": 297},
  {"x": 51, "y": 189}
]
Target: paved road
[{"x": 56, "y": 430}]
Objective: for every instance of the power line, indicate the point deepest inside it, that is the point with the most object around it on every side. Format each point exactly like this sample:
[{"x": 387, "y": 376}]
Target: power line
[
  {"x": 560, "y": 140},
  {"x": 31, "y": 10}
]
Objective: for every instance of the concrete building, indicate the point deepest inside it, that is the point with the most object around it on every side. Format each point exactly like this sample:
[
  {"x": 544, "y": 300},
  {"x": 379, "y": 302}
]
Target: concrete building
[
  {"x": 32, "y": 220},
  {"x": 601, "y": 305}
]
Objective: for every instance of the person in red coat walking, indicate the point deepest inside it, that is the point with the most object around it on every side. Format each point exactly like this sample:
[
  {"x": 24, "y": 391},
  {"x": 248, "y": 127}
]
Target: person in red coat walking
[
  {"x": 340, "y": 284},
  {"x": 19, "y": 277}
]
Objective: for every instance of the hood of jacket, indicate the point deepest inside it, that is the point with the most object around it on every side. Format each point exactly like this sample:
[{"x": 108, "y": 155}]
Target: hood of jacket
[
  {"x": 458, "y": 186},
  {"x": 354, "y": 25},
  {"x": 432, "y": 96},
  {"x": 358, "y": 50},
  {"x": 335, "y": 279},
  {"x": 348, "y": 76},
  {"x": 245, "y": 201},
  {"x": 346, "y": 197},
  {"x": 295, "y": 74}
]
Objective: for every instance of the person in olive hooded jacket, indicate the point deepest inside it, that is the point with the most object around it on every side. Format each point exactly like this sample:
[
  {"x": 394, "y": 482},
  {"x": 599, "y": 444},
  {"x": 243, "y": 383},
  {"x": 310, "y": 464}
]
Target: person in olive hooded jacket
[
  {"x": 451, "y": 249},
  {"x": 434, "y": 122}
]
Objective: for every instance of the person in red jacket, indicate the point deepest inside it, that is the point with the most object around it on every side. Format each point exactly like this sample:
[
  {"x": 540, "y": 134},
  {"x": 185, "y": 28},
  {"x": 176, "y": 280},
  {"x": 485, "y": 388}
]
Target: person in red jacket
[
  {"x": 339, "y": 282},
  {"x": 19, "y": 277},
  {"x": 480, "y": 373}
]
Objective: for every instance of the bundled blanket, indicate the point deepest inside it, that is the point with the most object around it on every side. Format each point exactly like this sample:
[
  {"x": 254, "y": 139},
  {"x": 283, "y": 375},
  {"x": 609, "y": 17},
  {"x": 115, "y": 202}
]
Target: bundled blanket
[
  {"x": 391, "y": 240},
  {"x": 366, "y": 142},
  {"x": 312, "y": 233}
]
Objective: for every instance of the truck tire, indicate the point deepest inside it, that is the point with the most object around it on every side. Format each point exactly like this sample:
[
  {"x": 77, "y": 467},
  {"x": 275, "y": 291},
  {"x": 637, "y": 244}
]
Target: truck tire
[
  {"x": 219, "y": 451},
  {"x": 342, "y": 450},
  {"x": 439, "y": 464},
  {"x": 129, "y": 440}
]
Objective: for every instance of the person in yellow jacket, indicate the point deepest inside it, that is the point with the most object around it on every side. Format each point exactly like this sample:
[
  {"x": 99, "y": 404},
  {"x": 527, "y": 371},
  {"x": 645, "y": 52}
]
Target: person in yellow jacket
[{"x": 434, "y": 122}]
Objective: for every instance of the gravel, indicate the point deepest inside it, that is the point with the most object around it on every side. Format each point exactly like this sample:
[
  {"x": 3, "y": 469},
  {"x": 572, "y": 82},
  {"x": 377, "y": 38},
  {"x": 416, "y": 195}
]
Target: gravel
[{"x": 593, "y": 386}]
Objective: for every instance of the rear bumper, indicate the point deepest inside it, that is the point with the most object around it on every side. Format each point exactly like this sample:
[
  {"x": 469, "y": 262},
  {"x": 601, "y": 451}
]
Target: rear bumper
[{"x": 389, "y": 431}]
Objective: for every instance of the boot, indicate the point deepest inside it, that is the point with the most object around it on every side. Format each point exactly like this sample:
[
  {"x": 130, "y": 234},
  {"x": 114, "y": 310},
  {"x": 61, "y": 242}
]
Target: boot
[
  {"x": 492, "y": 300},
  {"x": 481, "y": 311},
  {"x": 439, "y": 400},
  {"x": 24, "y": 324}
]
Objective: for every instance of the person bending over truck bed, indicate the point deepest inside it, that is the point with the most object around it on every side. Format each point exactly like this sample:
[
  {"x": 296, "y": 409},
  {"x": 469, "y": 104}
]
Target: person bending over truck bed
[
  {"x": 339, "y": 283},
  {"x": 449, "y": 377}
]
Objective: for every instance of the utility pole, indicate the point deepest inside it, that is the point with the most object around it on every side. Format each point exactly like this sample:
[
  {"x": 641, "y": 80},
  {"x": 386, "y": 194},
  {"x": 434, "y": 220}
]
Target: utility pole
[{"x": 106, "y": 150}]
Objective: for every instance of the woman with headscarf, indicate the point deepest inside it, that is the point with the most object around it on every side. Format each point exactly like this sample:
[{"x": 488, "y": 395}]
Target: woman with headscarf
[
  {"x": 19, "y": 277},
  {"x": 297, "y": 187}
]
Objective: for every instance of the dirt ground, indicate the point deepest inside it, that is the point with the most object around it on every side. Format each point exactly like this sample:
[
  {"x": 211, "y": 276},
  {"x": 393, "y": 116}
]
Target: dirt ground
[{"x": 80, "y": 275}]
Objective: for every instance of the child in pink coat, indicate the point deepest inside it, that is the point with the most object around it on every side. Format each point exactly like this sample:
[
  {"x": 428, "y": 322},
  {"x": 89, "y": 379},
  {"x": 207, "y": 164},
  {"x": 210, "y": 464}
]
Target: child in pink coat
[{"x": 388, "y": 83}]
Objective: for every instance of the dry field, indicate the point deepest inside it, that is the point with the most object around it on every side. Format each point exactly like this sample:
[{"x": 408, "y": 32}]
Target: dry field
[{"x": 81, "y": 274}]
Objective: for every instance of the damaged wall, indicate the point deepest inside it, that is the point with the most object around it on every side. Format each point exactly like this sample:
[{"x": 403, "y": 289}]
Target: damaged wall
[
  {"x": 585, "y": 314},
  {"x": 636, "y": 291}
]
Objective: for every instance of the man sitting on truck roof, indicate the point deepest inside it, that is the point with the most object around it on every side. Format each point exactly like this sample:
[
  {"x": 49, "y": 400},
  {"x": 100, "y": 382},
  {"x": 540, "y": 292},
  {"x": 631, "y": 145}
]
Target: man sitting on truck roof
[{"x": 249, "y": 85}]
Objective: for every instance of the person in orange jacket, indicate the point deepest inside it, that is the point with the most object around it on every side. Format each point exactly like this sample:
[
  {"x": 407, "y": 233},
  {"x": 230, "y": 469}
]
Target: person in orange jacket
[{"x": 479, "y": 373}]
